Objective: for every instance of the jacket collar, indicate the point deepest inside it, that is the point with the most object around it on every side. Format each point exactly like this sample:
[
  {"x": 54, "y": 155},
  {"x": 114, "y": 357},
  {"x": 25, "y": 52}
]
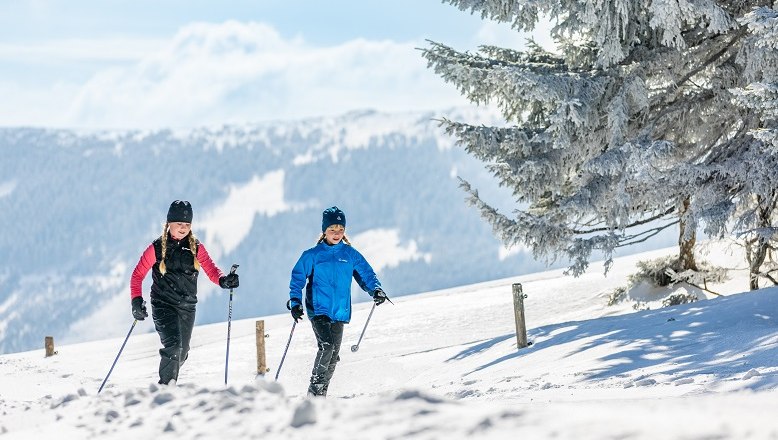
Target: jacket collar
[{"x": 331, "y": 247}]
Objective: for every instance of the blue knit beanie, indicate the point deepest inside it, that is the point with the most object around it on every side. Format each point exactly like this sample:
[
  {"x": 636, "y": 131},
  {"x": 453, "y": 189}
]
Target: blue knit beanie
[{"x": 332, "y": 216}]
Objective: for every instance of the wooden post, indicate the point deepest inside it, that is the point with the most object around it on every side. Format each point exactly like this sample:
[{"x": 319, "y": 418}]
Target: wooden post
[
  {"x": 518, "y": 313},
  {"x": 261, "y": 361},
  {"x": 49, "y": 344}
]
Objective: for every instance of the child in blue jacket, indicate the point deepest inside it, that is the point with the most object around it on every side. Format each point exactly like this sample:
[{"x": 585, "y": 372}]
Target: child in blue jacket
[{"x": 325, "y": 272}]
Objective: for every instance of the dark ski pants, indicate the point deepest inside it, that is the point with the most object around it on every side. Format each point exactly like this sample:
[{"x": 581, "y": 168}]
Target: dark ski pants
[
  {"x": 328, "y": 337},
  {"x": 174, "y": 326}
]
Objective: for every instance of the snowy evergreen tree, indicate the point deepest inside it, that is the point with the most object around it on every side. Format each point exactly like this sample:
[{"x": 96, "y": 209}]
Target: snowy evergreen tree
[
  {"x": 650, "y": 113},
  {"x": 755, "y": 179}
]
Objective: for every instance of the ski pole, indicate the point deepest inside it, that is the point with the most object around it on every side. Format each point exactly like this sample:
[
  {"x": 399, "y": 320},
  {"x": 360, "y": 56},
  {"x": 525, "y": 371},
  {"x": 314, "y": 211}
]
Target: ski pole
[
  {"x": 229, "y": 327},
  {"x": 117, "y": 356},
  {"x": 278, "y": 371},
  {"x": 354, "y": 348}
]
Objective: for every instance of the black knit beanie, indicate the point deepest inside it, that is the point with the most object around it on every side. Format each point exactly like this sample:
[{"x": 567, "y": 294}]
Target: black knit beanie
[{"x": 180, "y": 212}]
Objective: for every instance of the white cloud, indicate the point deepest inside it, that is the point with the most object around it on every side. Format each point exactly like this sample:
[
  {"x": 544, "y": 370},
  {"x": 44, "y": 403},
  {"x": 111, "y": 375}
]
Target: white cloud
[
  {"x": 234, "y": 72},
  {"x": 382, "y": 248},
  {"x": 502, "y": 35},
  {"x": 81, "y": 49},
  {"x": 225, "y": 226},
  {"x": 504, "y": 253}
]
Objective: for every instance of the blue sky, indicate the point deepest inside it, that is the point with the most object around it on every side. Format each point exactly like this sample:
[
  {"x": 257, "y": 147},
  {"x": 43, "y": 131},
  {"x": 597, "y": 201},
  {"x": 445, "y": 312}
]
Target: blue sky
[
  {"x": 142, "y": 64},
  {"x": 321, "y": 22}
]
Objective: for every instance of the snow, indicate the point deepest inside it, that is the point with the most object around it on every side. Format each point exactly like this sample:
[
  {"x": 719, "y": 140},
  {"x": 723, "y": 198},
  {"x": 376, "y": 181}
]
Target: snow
[
  {"x": 362, "y": 129},
  {"x": 441, "y": 364},
  {"x": 229, "y": 223},
  {"x": 383, "y": 248},
  {"x": 7, "y": 188}
]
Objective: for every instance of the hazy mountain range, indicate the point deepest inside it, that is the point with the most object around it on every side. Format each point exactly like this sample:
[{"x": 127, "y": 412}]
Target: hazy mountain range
[{"x": 78, "y": 208}]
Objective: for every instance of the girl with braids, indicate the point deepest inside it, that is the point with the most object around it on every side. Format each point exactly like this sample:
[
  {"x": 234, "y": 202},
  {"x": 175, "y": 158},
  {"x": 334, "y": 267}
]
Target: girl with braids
[
  {"x": 175, "y": 259},
  {"x": 325, "y": 272}
]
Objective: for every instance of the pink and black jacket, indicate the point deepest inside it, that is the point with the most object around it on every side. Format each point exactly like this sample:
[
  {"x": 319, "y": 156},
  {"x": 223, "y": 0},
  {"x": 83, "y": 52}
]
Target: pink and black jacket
[{"x": 178, "y": 286}]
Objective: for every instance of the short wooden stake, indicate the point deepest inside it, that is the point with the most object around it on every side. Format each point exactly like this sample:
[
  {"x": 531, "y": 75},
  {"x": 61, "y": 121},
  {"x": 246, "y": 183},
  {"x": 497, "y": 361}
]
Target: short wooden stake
[
  {"x": 518, "y": 313},
  {"x": 261, "y": 361},
  {"x": 49, "y": 344}
]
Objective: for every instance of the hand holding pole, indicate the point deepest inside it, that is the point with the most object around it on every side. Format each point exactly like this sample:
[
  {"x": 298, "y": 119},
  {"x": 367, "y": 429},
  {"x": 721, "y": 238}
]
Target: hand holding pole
[{"x": 229, "y": 327}]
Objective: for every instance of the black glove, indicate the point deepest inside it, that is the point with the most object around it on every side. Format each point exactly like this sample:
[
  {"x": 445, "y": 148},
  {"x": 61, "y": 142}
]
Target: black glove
[
  {"x": 379, "y": 297},
  {"x": 229, "y": 281},
  {"x": 139, "y": 308},
  {"x": 297, "y": 312}
]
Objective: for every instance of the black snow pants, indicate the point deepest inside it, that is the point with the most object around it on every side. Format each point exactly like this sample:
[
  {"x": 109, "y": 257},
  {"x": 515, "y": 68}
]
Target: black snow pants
[
  {"x": 174, "y": 325},
  {"x": 328, "y": 337}
]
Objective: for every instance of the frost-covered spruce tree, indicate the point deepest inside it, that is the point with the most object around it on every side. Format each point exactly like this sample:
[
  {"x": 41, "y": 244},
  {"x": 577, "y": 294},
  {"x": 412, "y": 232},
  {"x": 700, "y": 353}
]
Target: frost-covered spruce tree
[
  {"x": 628, "y": 128},
  {"x": 752, "y": 174}
]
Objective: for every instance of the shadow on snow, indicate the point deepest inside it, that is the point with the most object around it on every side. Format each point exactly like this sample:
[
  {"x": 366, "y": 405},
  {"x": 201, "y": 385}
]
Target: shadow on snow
[{"x": 723, "y": 337}]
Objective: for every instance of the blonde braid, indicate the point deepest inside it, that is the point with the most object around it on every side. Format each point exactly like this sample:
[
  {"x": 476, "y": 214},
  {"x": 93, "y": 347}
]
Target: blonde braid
[
  {"x": 164, "y": 248},
  {"x": 193, "y": 248},
  {"x": 323, "y": 236}
]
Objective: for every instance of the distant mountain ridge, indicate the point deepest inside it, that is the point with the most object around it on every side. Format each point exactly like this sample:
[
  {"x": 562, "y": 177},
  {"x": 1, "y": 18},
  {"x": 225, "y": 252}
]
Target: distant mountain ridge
[{"x": 78, "y": 208}]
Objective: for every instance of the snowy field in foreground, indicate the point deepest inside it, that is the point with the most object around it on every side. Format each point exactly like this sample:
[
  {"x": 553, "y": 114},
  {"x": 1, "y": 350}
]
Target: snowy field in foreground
[{"x": 437, "y": 365}]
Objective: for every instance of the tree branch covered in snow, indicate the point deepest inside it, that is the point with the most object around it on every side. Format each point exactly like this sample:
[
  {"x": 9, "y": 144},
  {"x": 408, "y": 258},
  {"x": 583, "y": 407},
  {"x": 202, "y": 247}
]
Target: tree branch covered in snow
[{"x": 650, "y": 111}]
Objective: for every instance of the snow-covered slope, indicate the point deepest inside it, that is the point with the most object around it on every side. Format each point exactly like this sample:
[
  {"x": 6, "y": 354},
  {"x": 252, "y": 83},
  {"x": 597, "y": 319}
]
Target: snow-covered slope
[{"x": 441, "y": 364}]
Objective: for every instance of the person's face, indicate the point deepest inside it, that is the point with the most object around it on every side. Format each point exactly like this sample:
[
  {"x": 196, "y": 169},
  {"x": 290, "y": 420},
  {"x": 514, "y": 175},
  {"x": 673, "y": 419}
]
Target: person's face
[
  {"x": 334, "y": 234},
  {"x": 179, "y": 230}
]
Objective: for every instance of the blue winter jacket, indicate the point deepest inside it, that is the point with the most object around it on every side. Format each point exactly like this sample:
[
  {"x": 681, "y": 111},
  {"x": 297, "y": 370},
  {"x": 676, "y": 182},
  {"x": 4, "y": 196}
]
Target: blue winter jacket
[{"x": 325, "y": 272}]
